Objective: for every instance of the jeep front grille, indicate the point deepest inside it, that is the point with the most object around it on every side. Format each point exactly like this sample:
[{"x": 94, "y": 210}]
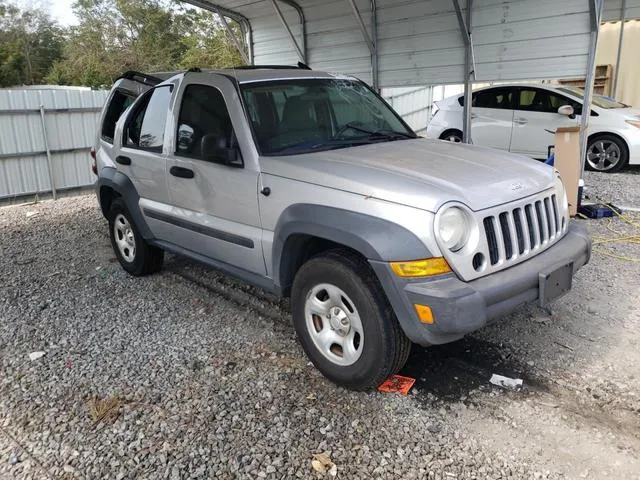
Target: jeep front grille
[{"x": 518, "y": 232}]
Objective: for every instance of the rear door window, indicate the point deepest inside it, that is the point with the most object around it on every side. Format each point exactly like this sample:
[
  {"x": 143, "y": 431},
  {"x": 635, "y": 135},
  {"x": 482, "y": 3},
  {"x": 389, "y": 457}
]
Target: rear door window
[
  {"x": 500, "y": 98},
  {"x": 120, "y": 101},
  {"x": 145, "y": 129}
]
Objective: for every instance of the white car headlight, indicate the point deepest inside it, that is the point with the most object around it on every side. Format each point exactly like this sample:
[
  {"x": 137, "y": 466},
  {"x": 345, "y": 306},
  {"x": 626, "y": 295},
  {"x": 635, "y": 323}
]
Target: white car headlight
[{"x": 454, "y": 228}]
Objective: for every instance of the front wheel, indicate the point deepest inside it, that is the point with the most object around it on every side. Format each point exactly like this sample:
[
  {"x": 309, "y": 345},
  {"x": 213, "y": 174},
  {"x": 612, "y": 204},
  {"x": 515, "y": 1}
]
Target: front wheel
[
  {"x": 345, "y": 323},
  {"x": 606, "y": 153}
]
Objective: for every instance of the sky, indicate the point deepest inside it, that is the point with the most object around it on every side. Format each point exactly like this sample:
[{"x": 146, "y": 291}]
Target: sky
[{"x": 59, "y": 9}]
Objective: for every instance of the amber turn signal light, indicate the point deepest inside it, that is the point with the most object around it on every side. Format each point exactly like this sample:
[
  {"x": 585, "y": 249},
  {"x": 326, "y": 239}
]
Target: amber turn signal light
[{"x": 421, "y": 268}]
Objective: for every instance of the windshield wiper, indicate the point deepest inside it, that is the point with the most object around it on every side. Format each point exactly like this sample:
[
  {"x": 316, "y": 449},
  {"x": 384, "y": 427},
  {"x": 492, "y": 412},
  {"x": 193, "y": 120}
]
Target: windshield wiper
[
  {"x": 393, "y": 134},
  {"x": 382, "y": 133}
]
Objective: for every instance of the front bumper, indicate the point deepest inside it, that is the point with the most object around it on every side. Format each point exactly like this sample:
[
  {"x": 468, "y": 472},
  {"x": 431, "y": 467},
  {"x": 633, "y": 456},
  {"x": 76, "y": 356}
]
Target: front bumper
[{"x": 461, "y": 307}]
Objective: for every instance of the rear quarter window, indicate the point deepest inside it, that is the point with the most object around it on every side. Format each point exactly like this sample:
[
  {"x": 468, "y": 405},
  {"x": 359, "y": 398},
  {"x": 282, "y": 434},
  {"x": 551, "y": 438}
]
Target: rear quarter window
[{"x": 120, "y": 101}]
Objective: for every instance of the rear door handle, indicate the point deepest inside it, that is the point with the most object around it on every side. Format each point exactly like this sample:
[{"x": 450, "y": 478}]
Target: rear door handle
[
  {"x": 521, "y": 121},
  {"x": 123, "y": 160},
  {"x": 181, "y": 172}
]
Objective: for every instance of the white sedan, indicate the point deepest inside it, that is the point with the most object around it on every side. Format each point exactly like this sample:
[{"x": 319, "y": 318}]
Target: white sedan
[{"x": 523, "y": 118}]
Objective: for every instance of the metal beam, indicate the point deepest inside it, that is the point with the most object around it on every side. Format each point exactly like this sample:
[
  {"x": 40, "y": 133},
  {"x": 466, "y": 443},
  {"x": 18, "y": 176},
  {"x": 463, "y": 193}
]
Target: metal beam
[
  {"x": 363, "y": 29},
  {"x": 51, "y": 110},
  {"x": 461, "y": 24},
  {"x": 43, "y": 152},
  {"x": 371, "y": 41},
  {"x": 279, "y": 14},
  {"x": 595, "y": 6},
  {"x": 469, "y": 66},
  {"x": 623, "y": 16},
  {"x": 303, "y": 25},
  {"x": 374, "y": 39},
  {"x": 243, "y": 21},
  {"x": 234, "y": 39},
  {"x": 595, "y": 10},
  {"x": 52, "y": 180}
]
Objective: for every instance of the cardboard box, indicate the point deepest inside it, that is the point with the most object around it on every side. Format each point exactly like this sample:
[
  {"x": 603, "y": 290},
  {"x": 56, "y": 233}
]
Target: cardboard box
[{"x": 567, "y": 162}]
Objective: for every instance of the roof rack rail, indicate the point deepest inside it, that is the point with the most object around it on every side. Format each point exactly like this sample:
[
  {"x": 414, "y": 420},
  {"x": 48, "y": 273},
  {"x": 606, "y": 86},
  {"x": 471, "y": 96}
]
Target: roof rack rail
[
  {"x": 141, "y": 78},
  {"x": 300, "y": 65}
]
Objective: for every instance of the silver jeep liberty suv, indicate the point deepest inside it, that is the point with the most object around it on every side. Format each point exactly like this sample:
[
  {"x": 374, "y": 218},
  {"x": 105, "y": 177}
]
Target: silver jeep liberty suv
[{"x": 308, "y": 185}]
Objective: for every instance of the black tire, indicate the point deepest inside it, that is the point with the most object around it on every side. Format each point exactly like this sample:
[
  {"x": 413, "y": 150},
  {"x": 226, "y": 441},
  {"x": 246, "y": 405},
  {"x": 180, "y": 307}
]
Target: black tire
[
  {"x": 615, "y": 162},
  {"x": 453, "y": 136},
  {"x": 385, "y": 347},
  {"x": 146, "y": 259}
]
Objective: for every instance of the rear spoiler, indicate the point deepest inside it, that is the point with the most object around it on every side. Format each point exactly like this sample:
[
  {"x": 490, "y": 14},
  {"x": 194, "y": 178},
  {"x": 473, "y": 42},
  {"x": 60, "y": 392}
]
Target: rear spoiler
[{"x": 139, "y": 77}]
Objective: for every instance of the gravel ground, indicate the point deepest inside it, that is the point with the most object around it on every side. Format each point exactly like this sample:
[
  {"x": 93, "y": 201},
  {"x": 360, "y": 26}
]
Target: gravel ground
[{"x": 208, "y": 381}]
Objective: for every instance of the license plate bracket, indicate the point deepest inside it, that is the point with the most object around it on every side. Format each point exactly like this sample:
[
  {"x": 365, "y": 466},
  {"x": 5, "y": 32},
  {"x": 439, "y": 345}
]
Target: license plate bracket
[{"x": 554, "y": 283}]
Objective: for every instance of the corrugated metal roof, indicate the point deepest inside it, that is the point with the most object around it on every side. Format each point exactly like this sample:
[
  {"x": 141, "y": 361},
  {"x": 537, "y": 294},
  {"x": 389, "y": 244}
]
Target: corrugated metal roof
[{"x": 419, "y": 42}]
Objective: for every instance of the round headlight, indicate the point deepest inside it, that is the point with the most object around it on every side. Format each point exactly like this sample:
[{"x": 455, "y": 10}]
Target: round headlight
[{"x": 453, "y": 228}]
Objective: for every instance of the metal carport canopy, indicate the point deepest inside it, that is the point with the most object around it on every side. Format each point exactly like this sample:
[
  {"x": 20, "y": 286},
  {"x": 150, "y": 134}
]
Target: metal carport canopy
[{"x": 391, "y": 43}]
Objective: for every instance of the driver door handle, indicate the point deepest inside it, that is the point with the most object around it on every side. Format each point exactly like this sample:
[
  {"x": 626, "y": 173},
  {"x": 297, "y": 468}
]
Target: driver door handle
[
  {"x": 520, "y": 121},
  {"x": 181, "y": 172}
]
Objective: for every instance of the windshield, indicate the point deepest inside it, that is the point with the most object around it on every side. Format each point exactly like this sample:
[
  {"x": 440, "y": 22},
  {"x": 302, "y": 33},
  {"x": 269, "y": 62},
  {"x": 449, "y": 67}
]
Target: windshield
[
  {"x": 303, "y": 115},
  {"x": 598, "y": 100}
]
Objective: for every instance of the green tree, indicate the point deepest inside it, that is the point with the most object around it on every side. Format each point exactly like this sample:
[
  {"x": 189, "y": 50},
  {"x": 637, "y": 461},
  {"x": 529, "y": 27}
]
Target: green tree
[
  {"x": 30, "y": 43},
  {"x": 113, "y": 36}
]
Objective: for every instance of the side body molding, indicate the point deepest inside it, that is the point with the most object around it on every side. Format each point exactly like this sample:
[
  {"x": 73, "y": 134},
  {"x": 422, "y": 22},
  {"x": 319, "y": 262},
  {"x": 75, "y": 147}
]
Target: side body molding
[
  {"x": 375, "y": 238},
  {"x": 120, "y": 183}
]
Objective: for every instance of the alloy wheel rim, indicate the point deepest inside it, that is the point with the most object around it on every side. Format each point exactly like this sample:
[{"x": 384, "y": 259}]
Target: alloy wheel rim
[
  {"x": 603, "y": 155},
  {"x": 334, "y": 324},
  {"x": 125, "y": 238},
  {"x": 453, "y": 138}
]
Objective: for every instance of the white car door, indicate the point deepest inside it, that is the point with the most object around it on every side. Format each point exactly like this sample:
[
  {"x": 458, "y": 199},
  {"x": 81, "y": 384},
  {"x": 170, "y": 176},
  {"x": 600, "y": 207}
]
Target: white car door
[
  {"x": 536, "y": 119},
  {"x": 492, "y": 117}
]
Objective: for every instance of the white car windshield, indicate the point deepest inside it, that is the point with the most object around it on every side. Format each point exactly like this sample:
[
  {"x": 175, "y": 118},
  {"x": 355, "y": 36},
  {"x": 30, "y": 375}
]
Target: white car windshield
[
  {"x": 305, "y": 115},
  {"x": 598, "y": 100}
]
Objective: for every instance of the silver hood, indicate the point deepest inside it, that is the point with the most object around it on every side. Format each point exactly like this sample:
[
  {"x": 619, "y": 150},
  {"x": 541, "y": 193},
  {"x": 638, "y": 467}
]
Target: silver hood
[{"x": 420, "y": 173}]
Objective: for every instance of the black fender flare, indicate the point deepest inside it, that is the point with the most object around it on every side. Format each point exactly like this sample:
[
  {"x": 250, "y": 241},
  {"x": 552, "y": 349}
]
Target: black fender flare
[
  {"x": 374, "y": 238},
  {"x": 122, "y": 185}
]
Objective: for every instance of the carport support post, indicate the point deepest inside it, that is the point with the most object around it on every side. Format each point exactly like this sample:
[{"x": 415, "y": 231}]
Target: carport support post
[
  {"x": 465, "y": 29},
  {"x": 595, "y": 7},
  {"x": 48, "y": 151},
  {"x": 623, "y": 16}
]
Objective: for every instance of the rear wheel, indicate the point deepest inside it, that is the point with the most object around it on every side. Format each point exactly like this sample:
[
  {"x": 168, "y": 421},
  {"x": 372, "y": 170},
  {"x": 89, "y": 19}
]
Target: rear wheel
[
  {"x": 345, "y": 323},
  {"x": 135, "y": 255},
  {"x": 454, "y": 136},
  {"x": 606, "y": 153}
]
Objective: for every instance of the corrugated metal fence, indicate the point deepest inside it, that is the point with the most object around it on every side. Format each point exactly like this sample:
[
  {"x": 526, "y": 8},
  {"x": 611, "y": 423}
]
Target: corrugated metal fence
[
  {"x": 45, "y": 137},
  {"x": 412, "y": 103}
]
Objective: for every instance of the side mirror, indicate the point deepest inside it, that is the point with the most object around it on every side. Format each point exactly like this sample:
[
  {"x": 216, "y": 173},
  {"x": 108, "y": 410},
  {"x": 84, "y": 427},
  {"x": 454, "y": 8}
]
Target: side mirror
[
  {"x": 215, "y": 148},
  {"x": 567, "y": 110}
]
